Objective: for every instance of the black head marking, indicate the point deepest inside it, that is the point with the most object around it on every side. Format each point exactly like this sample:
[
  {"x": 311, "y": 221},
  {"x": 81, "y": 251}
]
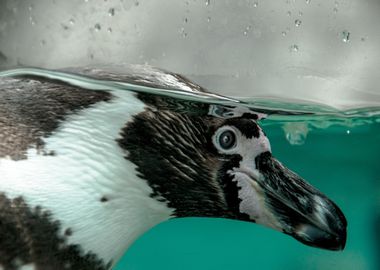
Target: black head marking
[
  {"x": 247, "y": 127},
  {"x": 32, "y": 236},
  {"x": 173, "y": 153}
]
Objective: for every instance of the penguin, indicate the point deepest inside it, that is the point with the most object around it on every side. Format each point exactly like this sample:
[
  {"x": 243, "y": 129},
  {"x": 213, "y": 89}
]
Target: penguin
[{"x": 84, "y": 173}]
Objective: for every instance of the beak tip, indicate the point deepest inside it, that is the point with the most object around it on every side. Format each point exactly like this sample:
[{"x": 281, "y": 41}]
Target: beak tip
[{"x": 316, "y": 237}]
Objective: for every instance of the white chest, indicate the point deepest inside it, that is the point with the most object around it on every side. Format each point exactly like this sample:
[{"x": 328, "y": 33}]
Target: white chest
[{"x": 88, "y": 185}]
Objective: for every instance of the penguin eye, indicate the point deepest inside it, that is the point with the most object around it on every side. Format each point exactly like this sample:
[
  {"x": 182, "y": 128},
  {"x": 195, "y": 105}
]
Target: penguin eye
[{"x": 227, "y": 139}]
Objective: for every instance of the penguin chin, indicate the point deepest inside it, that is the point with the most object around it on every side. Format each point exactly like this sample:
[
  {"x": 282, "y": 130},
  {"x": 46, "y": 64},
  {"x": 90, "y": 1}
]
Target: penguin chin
[{"x": 252, "y": 198}]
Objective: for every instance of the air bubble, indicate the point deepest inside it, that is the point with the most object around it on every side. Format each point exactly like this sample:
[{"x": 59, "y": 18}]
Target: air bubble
[
  {"x": 296, "y": 133},
  {"x": 289, "y": 13},
  {"x": 208, "y": 19},
  {"x": 72, "y": 22},
  {"x": 297, "y": 22},
  {"x": 308, "y": 1},
  {"x": 283, "y": 33},
  {"x": 109, "y": 30},
  {"x": 255, "y": 4},
  {"x": 207, "y": 2},
  {"x": 335, "y": 10}
]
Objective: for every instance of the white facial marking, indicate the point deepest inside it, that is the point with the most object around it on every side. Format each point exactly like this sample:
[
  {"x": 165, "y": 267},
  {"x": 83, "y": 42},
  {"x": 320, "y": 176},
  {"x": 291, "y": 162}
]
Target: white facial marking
[
  {"x": 253, "y": 201},
  {"x": 251, "y": 194},
  {"x": 88, "y": 164}
]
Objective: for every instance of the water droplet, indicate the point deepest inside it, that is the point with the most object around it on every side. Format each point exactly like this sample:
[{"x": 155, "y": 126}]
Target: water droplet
[
  {"x": 32, "y": 21},
  {"x": 183, "y": 32},
  {"x": 294, "y": 48},
  {"x": 207, "y": 2},
  {"x": 346, "y": 36},
  {"x": 97, "y": 27},
  {"x": 296, "y": 133},
  {"x": 111, "y": 12},
  {"x": 297, "y": 22},
  {"x": 289, "y": 13},
  {"x": 255, "y": 4},
  {"x": 64, "y": 26},
  {"x": 72, "y": 22},
  {"x": 308, "y": 1},
  {"x": 335, "y": 10},
  {"x": 245, "y": 32}
]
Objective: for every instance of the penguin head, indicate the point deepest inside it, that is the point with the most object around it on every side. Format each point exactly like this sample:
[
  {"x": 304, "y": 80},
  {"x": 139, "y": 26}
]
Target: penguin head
[{"x": 204, "y": 165}]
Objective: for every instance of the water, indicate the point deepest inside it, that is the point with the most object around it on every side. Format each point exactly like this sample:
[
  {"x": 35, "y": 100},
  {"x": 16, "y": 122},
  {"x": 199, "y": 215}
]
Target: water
[{"x": 336, "y": 151}]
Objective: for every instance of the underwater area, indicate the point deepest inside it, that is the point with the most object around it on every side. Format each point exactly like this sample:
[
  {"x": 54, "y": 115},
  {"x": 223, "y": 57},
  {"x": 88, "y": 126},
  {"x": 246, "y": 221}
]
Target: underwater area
[{"x": 311, "y": 65}]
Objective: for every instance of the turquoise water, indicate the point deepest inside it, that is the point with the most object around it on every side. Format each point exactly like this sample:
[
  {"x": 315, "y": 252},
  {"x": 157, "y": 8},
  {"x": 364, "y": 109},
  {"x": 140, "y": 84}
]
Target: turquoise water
[
  {"x": 336, "y": 151},
  {"x": 344, "y": 165}
]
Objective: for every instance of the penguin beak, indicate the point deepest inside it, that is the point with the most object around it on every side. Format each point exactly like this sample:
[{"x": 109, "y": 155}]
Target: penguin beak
[{"x": 297, "y": 208}]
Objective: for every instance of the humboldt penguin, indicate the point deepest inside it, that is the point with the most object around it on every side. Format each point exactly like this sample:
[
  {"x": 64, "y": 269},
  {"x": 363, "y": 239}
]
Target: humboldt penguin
[{"x": 85, "y": 172}]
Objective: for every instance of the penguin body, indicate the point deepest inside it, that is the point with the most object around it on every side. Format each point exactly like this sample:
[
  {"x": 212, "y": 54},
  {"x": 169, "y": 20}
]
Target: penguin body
[{"x": 83, "y": 173}]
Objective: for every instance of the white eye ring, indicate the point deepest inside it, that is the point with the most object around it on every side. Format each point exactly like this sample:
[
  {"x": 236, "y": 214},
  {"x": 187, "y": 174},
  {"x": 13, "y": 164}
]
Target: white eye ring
[{"x": 225, "y": 139}]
